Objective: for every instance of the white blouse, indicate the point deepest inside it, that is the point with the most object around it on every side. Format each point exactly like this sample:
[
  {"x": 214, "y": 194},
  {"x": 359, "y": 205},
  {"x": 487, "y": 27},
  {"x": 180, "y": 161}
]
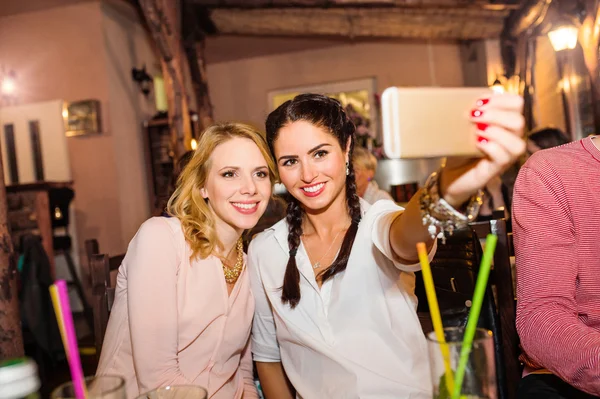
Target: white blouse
[{"x": 356, "y": 337}]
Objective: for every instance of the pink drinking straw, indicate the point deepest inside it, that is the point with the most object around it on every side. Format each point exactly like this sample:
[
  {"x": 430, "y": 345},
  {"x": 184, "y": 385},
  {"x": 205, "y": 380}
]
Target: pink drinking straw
[{"x": 71, "y": 338}]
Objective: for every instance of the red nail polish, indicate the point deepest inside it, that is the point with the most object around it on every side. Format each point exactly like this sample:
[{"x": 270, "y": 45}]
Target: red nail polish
[
  {"x": 482, "y": 126},
  {"x": 482, "y": 101},
  {"x": 482, "y": 139},
  {"x": 476, "y": 113}
]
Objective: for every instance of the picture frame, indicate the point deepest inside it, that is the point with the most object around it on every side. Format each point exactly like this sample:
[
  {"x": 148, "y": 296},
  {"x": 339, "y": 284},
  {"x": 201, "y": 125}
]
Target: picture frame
[
  {"x": 360, "y": 93},
  {"x": 81, "y": 118}
]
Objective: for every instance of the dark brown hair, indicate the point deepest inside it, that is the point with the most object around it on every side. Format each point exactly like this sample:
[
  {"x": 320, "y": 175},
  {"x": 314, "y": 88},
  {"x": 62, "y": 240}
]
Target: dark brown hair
[
  {"x": 327, "y": 113},
  {"x": 548, "y": 137}
]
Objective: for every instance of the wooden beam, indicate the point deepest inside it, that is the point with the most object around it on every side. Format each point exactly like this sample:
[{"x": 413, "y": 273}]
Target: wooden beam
[
  {"x": 527, "y": 18},
  {"x": 358, "y": 3},
  {"x": 451, "y": 24}
]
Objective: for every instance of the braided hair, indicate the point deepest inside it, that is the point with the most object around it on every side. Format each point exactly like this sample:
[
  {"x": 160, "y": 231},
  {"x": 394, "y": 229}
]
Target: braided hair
[{"x": 329, "y": 114}]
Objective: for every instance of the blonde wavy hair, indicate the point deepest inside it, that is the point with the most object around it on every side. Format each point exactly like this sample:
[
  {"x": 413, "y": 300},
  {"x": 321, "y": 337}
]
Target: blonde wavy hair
[{"x": 188, "y": 205}]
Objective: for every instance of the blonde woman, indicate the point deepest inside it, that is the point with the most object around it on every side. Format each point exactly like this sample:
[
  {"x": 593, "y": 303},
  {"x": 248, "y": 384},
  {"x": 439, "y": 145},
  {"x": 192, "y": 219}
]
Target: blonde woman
[
  {"x": 365, "y": 166},
  {"x": 183, "y": 309}
]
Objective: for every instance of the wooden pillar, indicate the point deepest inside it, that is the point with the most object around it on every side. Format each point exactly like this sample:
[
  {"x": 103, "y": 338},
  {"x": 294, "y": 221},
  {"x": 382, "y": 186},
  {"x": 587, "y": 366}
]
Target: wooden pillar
[
  {"x": 518, "y": 49},
  {"x": 525, "y": 58},
  {"x": 474, "y": 63},
  {"x": 196, "y": 25},
  {"x": 589, "y": 38},
  {"x": 195, "y": 55},
  {"x": 162, "y": 19},
  {"x": 205, "y": 108},
  {"x": 11, "y": 340}
]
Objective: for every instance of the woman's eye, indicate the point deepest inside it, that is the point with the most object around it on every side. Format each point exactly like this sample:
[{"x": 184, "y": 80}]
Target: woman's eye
[
  {"x": 290, "y": 162},
  {"x": 262, "y": 175},
  {"x": 320, "y": 154},
  {"x": 229, "y": 173}
]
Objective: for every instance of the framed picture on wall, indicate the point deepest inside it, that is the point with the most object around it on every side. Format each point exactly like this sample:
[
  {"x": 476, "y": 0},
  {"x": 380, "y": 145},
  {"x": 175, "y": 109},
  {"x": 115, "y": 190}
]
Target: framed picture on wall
[
  {"x": 81, "y": 117},
  {"x": 357, "y": 96}
]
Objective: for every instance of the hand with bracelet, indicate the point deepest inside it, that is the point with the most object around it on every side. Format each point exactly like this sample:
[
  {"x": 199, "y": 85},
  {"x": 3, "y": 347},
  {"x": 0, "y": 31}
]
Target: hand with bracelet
[{"x": 452, "y": 196}]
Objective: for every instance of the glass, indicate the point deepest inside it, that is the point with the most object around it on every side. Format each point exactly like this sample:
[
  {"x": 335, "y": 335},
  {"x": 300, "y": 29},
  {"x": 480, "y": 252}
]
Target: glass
[
  {"x": 104, "y": 386},
  {"x": 176, "y": 392},
  {"x": 480, "y": 374}
]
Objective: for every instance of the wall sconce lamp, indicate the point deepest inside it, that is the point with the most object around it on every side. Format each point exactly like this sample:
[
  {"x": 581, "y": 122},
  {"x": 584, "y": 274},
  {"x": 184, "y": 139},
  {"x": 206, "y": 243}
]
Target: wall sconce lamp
[
  {"x": 8, "y": 85},
  {"x": 563, "y": 34},
  {"x": 194, "y": 144},
  {"x": 141, "y": 77}
]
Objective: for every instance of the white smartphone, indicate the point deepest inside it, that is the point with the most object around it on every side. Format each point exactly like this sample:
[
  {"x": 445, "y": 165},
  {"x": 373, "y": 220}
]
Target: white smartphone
[{"x": 430, "y": 122}]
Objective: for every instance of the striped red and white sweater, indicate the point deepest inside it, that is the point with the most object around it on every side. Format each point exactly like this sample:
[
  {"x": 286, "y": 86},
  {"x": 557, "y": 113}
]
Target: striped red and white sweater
[{"x": 556, "y": 223}]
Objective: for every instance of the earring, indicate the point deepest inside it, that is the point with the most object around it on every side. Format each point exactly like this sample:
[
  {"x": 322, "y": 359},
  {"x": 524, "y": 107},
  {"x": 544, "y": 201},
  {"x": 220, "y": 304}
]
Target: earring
[{"x": 347, "y": 168}]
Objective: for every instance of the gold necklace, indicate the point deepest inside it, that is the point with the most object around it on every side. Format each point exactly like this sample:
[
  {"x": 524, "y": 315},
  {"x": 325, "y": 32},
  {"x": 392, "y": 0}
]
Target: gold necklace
[{"x": 232, "y": 274}]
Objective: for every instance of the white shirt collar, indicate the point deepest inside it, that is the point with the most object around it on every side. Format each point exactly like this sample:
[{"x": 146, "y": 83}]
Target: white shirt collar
[{"x": 280, "y": 229}]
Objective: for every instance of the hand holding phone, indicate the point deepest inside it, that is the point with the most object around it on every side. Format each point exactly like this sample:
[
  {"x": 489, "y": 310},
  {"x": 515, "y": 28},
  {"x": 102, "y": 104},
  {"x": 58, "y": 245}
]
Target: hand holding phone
[
  {"x": 500, "y": 129},
  {"x": 481, "y": 133},
  {"x": 430, "y": 122}
]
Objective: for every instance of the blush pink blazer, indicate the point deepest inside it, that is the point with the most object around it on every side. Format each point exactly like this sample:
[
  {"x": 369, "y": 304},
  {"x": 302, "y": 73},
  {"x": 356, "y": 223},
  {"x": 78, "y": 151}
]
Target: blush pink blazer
[{"x": 173, "y": 322}]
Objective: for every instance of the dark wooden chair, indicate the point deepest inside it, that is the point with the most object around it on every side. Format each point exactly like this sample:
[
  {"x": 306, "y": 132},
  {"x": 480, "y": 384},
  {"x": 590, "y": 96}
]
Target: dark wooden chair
[
  {"x": 92, "y": 248},
  {"x": 103, "y": 292},
  {"x": 503, "y": 283},
  {"x": 455, "y": 268},
  {"x": 103, "y": 296}
]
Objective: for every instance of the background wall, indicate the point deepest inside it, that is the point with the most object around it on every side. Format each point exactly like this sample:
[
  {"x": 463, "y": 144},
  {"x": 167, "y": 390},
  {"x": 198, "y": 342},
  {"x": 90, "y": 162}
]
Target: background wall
[
  {"x": 127, "y": 45},
  {"x": 54, "y": 153},
  {"x": 86, "y": 51},
  {"x": 75, "y": 50},
  {"x": 239, "y": 88}
]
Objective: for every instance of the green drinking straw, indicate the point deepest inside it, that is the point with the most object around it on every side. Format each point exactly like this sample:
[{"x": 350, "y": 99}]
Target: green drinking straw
[{"x": 480, "y": 285}]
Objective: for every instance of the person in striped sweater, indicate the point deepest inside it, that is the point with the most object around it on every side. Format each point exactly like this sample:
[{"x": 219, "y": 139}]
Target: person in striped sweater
[{"x": 556, "y": 224}]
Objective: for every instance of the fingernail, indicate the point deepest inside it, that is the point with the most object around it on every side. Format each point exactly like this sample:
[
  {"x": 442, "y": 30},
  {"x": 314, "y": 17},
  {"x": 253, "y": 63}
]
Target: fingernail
[
  {"x": 482, "y": 139},
  {"x": 482, "y": 101},
  {"x": 482, "y": 126},
  {"x": 476, "y": 113}
]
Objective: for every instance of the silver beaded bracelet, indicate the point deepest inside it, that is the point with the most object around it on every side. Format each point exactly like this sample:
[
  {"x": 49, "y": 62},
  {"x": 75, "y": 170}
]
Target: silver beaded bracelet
[{"x": 439, "y": 216}]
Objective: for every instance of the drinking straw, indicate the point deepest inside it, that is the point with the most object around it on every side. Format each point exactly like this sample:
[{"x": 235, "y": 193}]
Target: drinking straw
[
  {"x": 480, "y": 286},
  {"x": 59, "y": 317},
  {"x": 71, "y": 338},
  {"x": 434, "y": 310}
]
